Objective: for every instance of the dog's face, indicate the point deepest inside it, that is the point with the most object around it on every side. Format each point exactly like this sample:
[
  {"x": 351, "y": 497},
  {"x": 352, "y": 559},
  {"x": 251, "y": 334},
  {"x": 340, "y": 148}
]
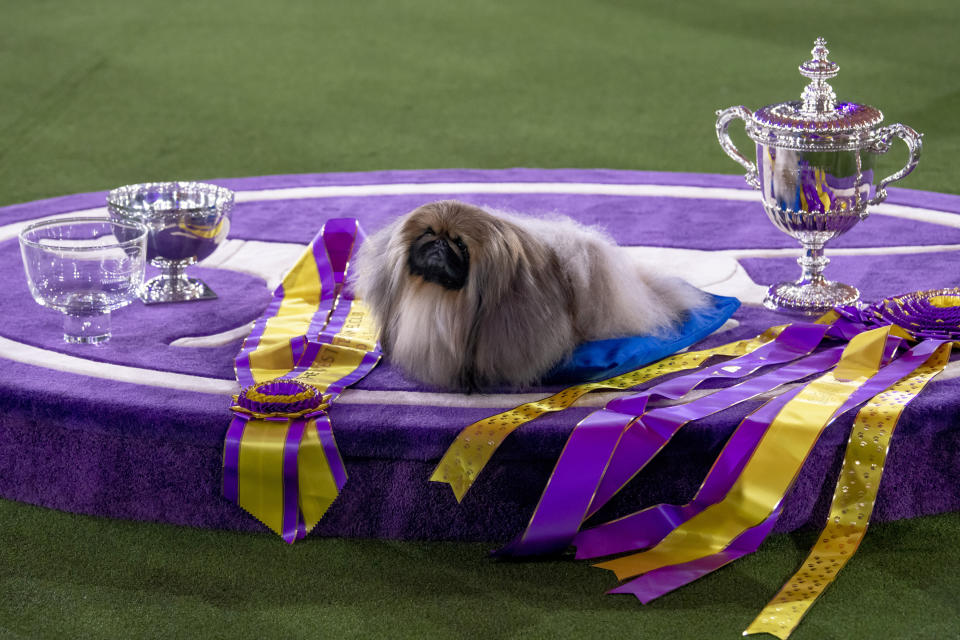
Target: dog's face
[
  {"x": 457, "y": 291},
  {"x": 442, "y": 238}
]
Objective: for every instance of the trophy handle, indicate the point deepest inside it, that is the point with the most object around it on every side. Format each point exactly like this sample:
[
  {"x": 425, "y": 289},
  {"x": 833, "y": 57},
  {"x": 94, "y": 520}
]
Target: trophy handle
[
  {"x": 724, "y": 118},
  {"x": 914, "y": 142}
]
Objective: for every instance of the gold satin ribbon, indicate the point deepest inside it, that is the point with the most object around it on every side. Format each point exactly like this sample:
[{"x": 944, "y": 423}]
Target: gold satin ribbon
[
  {"x": 260, "y": 468},
  {"x": 302, "y": 292},
  {"x": 853, "y": 501},
  {"x": 318, "y": 487},
  {"x": 475, "y": 445},
  {"x": 359, "y": 330},
  {"x": 771, "y": 469}
]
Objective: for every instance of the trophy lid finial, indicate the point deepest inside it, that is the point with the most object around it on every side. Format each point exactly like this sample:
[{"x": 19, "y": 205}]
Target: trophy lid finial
[{"x": 818, "y": 96}]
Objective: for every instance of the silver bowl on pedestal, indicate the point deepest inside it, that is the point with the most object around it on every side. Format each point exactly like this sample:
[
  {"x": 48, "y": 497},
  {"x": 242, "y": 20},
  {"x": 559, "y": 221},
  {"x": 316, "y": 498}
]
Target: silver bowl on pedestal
[
  {"x": 815, "y": 171},
  {"x": 186, "y": 221}
]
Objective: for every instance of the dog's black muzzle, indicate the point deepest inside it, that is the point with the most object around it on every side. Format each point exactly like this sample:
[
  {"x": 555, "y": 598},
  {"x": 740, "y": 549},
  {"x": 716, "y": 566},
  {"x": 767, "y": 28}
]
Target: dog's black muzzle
[{"x": 436, "y": 261}]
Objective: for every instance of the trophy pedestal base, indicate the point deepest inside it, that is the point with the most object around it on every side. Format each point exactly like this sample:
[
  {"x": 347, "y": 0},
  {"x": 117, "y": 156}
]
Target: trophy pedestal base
[
  {"x": 809, "y": 298},
  {"x": 163, "y": 289}
]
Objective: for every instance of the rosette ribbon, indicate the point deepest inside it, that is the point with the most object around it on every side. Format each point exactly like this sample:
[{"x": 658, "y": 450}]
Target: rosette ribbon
[{"x": 281, "y": 463}]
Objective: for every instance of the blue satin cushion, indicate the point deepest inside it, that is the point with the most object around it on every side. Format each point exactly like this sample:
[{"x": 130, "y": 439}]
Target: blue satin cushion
[{"x": 606, "y": 358}]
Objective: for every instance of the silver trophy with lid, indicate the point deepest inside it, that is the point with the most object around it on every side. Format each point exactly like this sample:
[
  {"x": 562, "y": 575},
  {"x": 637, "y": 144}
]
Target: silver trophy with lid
[{"x": 815, "y": 172}]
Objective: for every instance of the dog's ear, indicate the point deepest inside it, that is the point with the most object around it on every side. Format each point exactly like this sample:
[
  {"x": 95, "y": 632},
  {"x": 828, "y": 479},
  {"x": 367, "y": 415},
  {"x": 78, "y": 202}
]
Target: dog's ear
[
  {"x": 469, "y": 379},
  {"x": 377, "y": 276}
]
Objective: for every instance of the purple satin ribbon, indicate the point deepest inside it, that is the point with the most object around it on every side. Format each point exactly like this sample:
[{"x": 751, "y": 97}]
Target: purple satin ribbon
[
  {"x": 793, "y": 342},
  {"x": 340, "y": 237},
  {"x": 330, "y": 450},
  {"x": 291, "y": 482},
  {"x": 654, "y": 584},
  {"x": 607, "y": 448},
  {"x": 571, "y": 487},
  {"x": 665, "y": 579},
  {"x": 231, "y": 457},
  {"x": 646, "y": 528}
]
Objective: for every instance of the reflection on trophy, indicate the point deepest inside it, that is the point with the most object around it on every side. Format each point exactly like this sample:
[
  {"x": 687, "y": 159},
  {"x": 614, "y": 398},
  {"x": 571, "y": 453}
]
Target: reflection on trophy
[
  {"x": 186, "y": 221},
  {"x": 815, "y": 171}
]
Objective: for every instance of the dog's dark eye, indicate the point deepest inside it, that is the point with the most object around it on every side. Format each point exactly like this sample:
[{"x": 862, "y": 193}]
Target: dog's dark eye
[
  {"x": 460, "y": 244},
  {"x": 427, "y": 235}
]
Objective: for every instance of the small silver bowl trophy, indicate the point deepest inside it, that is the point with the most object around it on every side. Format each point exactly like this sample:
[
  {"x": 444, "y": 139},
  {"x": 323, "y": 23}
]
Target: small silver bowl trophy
[
  {"x": 815, "y": 172},
  {"x": 185, "y": 221}
]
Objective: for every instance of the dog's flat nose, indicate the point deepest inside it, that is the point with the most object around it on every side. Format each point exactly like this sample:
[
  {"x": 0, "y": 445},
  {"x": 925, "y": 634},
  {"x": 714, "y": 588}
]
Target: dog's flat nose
[{"x": 437, "y": 251}]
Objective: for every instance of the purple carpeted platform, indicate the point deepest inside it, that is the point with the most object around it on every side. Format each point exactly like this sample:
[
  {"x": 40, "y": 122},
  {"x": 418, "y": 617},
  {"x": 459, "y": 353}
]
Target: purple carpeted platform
[{"x": 91, "y": 444}]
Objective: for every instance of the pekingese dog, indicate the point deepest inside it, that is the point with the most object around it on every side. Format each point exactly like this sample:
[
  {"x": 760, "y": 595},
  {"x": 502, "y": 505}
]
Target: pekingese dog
[{"x": 467, "y": 299}]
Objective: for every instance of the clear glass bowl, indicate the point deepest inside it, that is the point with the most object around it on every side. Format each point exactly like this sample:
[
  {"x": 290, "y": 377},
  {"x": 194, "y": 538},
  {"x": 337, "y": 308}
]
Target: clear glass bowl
[{"x": 84, "y": 268}]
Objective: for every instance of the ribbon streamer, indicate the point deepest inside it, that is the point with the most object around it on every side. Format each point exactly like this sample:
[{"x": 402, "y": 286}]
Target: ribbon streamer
[
  {"x": 771, "y": 470},
  {"x": 647, "y": 527},
  {"x": 612, "y": 445},
  {"x": 853, "y": 500},
  {"x": 742, "y": 496},
  {"x": 654, "y": 584},
  {"x": 281, "y": 462},
  {"x": 473, "y": 447}
]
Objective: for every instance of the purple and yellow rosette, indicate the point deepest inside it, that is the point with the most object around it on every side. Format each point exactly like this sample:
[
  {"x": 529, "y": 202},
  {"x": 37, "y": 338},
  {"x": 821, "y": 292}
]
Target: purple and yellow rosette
[
  {"x": 279, "y": 399},
  {"x": 274, "y": 445},
  {"x": 932, "y": 314},
  {"x": 281, "y": 462}
]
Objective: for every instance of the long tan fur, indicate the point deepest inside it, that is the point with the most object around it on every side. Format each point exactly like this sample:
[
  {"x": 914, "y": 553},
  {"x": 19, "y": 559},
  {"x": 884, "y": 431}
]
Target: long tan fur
[{"x": 535, "y": 289}]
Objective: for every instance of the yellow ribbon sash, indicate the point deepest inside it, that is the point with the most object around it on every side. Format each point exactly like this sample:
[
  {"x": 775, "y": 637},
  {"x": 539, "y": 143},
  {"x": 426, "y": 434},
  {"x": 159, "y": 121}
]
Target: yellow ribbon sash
[
  {"x": 281, "y": 462},
  {"x": 298, "y": 300}
]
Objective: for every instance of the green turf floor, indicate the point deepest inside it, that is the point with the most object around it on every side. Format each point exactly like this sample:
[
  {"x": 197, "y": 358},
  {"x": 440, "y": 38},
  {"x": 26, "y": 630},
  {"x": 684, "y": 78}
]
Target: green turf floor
[{"x": 98, "y": 94}]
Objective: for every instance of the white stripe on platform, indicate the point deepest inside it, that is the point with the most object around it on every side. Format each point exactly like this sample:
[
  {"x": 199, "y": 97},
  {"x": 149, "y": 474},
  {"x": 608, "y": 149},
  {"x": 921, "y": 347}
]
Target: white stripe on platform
[
  {"x": 49, "y": 359},
  {"x": 442, "y": 188},
  {"x": 27, "y": 354},
  {"x": 36, "y": 356},
  {"x": 577, "y": 188}
]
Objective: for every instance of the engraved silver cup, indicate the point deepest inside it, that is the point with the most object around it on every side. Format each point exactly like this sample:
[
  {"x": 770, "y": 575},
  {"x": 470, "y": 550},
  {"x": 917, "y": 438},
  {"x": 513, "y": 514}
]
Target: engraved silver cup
[{"x": 815, "y": 172}]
